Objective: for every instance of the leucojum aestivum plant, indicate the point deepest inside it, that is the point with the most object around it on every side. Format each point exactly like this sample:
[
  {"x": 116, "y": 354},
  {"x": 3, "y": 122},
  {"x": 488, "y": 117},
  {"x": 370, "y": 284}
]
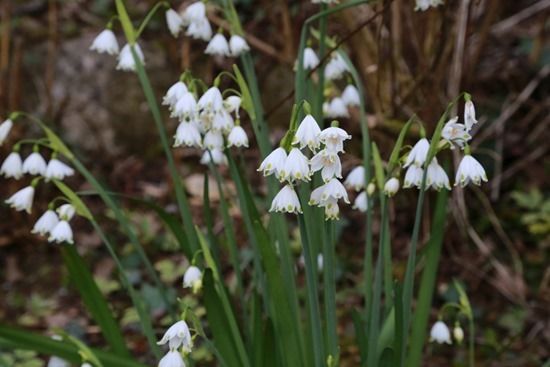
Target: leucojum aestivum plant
[{"x": 267, "y": 317}]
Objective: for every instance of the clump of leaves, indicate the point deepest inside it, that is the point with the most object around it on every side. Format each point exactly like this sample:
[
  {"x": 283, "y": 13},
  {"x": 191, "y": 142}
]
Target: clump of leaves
[{"x": 536, "y": 215}]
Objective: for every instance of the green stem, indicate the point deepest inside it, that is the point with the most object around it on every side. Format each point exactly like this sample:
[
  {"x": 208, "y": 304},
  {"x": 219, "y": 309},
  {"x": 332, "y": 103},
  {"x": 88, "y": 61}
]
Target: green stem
[
  {"x": 149, "y": 16},
  {"x": 321, "y": 71},
  {"x": 329, "y": 281},
  {"x": 471, "y": 342}
]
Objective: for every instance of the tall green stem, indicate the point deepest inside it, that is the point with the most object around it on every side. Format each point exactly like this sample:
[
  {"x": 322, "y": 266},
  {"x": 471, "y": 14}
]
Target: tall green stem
[{"x": 329, "y": 281}]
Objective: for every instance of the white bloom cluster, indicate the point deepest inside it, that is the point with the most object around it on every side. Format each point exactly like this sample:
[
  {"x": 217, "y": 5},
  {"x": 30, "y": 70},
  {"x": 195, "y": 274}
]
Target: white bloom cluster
[
  {"x": 207, "y": 122},
  {"x": 14, "y": 167},
  {"x": 177, "y": 336},
  {"x": 55, "y": 224},
  {"x": 356, "y": 181}
]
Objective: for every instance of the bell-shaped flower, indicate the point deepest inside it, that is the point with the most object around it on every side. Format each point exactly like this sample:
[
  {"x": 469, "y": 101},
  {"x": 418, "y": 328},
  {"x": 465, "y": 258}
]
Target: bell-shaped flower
[
  {"x": 62, "y": 232},
  {"x": 361, "y": 202},
  {"x": 174, "y": 22},
  {"x": 222, "y": 121},
  {"x": 334, "y": 190},
  {"x": 308, "y": 134},
  {"x": 458, "y": 333},
  {"x": 332, "y": 210},
  {"x": 66, "y": 212},
  {"x": 200, "y": 30},
  {"x": 172, "y": 359},
  {"x": 126, "y": 60},
  {"x": 436, "y": 177},
  {"x": 232, "y": 104},
  {"x": 213, "y": 140},
  {"x": 336, "y": 108},
  {"x": 424, "y": 5},
  {"x": 105, "y": 42},
  {"x": 34, "y": 164},
  {"x": 274, "y": 163},
  {"x": 238, "y": 45},
  {"x": 286, "y": 201},
  {"x": 333, "y": 137},
  {"x": 174, "y": 93},
  {"x": 22, "y": 199},
  {"x": 469, "y": 115},
  {"x": 56, "y": 361},
  {"x": 192, "y": 278},
  {"x": 392, "y": 186},
  {"x": 296, "y": 167},
  {"x": 5, "y": 128},
  {"x": 316, "y": 195},
  {"x": 470, "y": 170},
  {"x": 328, "y": 163},
  {"x": 237, "y": 137},
  {"x": 57, "y": 170},
  {"x": 413, "y": 177},
  {"x": 336, "y": 67},
  {"x": 185, "y": 107},
  {"x": 455, "y": 133},
  {"x": 218, "y": 46},
  {"x": 187, "y": 134},
  {"x": 45, "y": 223},
  {"x": 418, "y": 153},
  {"x": 311, "y": 61},
  {"x": 356, "y": 179},
  {"x": 215, "y": 156},
  {"x": 440, "y": 333},
  {"x": 12, "y": 166},
  {"x": 211, "y": 100},
  {"x": 194, "y": 13},
  {"x": 178, "y": 334},
  {"x": 350, "y": 96}
]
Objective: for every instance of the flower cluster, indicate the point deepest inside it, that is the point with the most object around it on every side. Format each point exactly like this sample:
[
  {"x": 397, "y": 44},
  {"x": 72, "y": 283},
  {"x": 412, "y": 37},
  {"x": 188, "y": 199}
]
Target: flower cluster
[
  {"x": 206, "y": 123},
  {"x": 355, "y": 180}
]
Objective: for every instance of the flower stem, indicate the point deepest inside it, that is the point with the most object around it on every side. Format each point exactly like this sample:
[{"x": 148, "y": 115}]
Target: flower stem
[{"x": 329, "y": 282}]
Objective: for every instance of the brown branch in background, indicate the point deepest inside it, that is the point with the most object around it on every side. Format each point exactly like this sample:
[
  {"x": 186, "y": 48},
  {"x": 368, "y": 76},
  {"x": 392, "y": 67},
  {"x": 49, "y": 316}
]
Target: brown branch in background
[
  {"x": 507, "y": 24},
  {"x": 4, "y": 52},
  {"x": 52, "y": 50}
]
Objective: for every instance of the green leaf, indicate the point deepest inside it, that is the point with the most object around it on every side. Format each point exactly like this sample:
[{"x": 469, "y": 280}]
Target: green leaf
[
  {"x": 80, "y": 207},
  {"x": 246, "y": 98},
  {"x": 378, "y": 167},
  {"x": 394, "y": 157}
]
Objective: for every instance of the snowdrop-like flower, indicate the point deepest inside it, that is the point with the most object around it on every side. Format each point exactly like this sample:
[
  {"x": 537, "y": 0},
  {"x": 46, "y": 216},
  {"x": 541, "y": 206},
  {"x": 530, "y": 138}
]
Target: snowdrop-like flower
[
  {"x": 413, "y": 177},
  {"x": 211, "y": 100},
  {"x": 174, "y": 22},
  {"x": 332, "y": 210},
  {"x": 274, "y": 163},
  {"x": 5, "y": 128},
  {"x": 350, "y": 96},
  {"x": 86, "y": 364},
  {"x": 172, "y": 359},
  {"x": 470, "y": 170},
  {"x": 455, "y": 133},
  {"x": 66, "y": 212},
  {"x": 316, "y": 196},
  {"x": 218, "y": 46},
  {"x": 105, "y": 42},
  {"x": 296, "y": 167},
  {"x": 194, "y": 13},
  {"x": 174, "y": 93},
  {"x": 178, "y": 334},
  {"x": 238, "y": 45},
  {"x": 126, "y": 60},
  {"x": 440, "y": 333},
  {"x": 213, "y": 140},
  {"x": 469, "y": 115},
  {"x": 215, "y": 156},
  {"x": 232, "y": 104},
  {"x": 328, "y": 162},
  {"x": 185, "y": 107},
  {"x": 286, "y": 201},
  {"x": 361, "y": 202},
  {"x": 187, "y": 134},
  {"x": 200, "y": 30},
  {"x": 308, "y": 134},
  {"x": 436, "y": 176},
  {"x": 356, "y": 178},
  {"x": 222, "y": 122},
  {"x": 22, "y": 199},
  {"x": 311, "y": 61},
  {"x": 458, "y": 333},
  {"x": 336, "y": 108},
  {"x": 34, "y": 164},
  {"x": 193, "y": 278},
  {"x": 333, "y": 137},
  {"x": 424, "y": 5},
  {"x": 336, "y": 67},
  {"x": 62, "y": 232},
  {"x": 418, "y": 153},
  {"x": 237, "y": 137},
  {"x": 392, "y": 186},
  {"x": 57, "y": 170},
  {"x": 333, "y": 190},
  {"x": 12, "y": 166},
  {"x": 45, "y": 223},
  {"x": 55, "y": 361}
]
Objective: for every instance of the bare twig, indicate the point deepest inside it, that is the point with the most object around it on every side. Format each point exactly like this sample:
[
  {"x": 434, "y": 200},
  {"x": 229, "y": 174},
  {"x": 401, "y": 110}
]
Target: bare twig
[{"x": 509, "y": 23}]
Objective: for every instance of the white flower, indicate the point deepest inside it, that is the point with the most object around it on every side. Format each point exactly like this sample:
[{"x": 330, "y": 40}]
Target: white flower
[
  {"x": 12, "y": 166},
  {"x": 413, "y": 177},
  {"x": 458, "y": 333},
  {"x": 328, "y": 162},
  {"x": 308, "y": 133},
  {"x": 356, "y": 178},
  {"x": 174, "y": 22},
  {"x": 332, "y": 210},
  {"x": 187, "y": 134},
  {"x": 424, "y": 5},
  {"x": 172, "y": 359},
  {"x": 66, "y": 212},
  {"x": 391, "y": 186},
  {"x": 232, "y": 104},
  {"x": 195, "y": 12},
  {"x": 192, "y": 278},
  {"x": 238, "y": 45},
  {"x": 237, "y": 137},
  {"x": 296, "y": 167},
  {"x": 311, "y": 61},
  {"x": 316, "y": 196},
  {"x": 436, "y": 176},
  {"x": 174, "y": 93},
  {"x": 336, "y": 108},
  {"x": 86, "y": 364},
  {"x": 469, "y": 115},
  {"x": 222, "y": 121},
  {"x": 273, "y": 163},
  {"x": 324, "y": 1},
  {"x": 185, "y": 107},
  {"x": 455, "y": 133},
  {"x": 215, "y": 155},
  {"x": 55, "y": 361},
  {"x": 218, "y": 46},
  {"x": 333, "y": 190},
  {"x": 34, "y": 164},
  {"x": 418, "y": 153},
  {"x": 440, "y": 333},
  {"x": 213, "y": 140},
  {"x": 200, "y": 30},
  {"x": 333, "y": 137},
  {"x": 361, "y": 202},
  {"x": 126, "y": 60},
  {"x": 45, "y": 223},
  {"x": 105, "y": 42},
  {"x": 62, "y": 232},
  {"x": 22, "y": 199},
  {"x": 57, "y": 170},
  {"x": 211, "y": 100},
  {"x": 336, "y": 67},
  {"x": 5, "y": 128},
  {"x": 178, "y": 334},
  {"x": 350, "y": 96},
  {"x": 468, "y": 170},
  {"x": 286, "y": 201}
]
